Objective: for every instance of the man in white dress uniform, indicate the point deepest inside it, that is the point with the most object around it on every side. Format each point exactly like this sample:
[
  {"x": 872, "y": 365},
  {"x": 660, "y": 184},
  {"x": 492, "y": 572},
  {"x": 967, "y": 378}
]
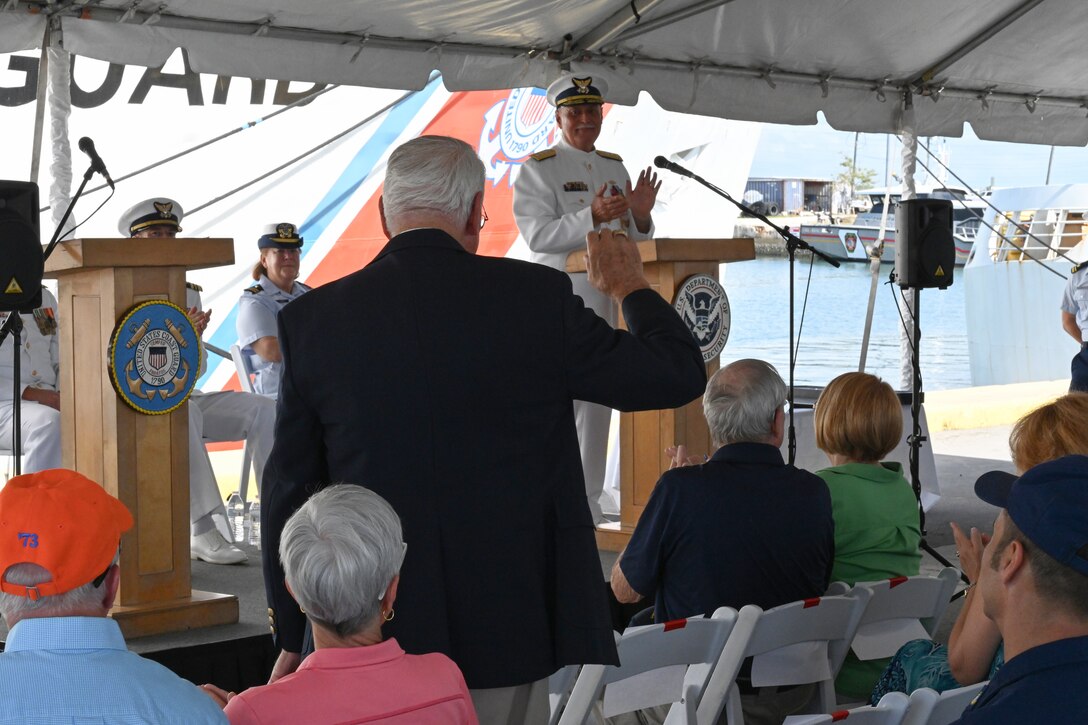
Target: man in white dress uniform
[{"x": 560, "y": 196}]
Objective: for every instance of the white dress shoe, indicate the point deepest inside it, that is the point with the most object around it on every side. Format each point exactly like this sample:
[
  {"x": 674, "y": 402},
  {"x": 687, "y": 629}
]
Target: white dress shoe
[{"x": 214, "y": 549}]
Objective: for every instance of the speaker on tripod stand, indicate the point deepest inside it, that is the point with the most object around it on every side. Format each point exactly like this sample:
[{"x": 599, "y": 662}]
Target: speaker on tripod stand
[
  {"x": 925, "y": 250},
  {"x": 925, "y": 257}
]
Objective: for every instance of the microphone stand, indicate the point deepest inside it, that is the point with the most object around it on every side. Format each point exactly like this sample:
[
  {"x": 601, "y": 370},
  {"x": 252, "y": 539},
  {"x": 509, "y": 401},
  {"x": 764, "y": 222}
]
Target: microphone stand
[
  {"x": 793, "y": 243},
  {"x": 68, "y": 212}
]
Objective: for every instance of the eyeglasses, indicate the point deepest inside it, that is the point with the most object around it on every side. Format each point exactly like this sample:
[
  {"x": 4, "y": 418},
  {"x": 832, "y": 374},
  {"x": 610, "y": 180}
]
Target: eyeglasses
[{"x": 483, "y": 219}]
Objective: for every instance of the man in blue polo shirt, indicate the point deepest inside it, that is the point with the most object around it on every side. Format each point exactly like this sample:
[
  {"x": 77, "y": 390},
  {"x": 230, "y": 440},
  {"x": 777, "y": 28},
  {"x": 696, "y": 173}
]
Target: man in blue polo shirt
[
  {"x": 65, "y": 660},
  {"x": 1034, "y": 586},
  {"x": 742, "y": 528}
]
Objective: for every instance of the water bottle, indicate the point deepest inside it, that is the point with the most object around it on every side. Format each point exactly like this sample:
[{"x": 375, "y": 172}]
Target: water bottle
[
  {"x": 236, "y": 516},
  {"x": 254, "y": 517}
]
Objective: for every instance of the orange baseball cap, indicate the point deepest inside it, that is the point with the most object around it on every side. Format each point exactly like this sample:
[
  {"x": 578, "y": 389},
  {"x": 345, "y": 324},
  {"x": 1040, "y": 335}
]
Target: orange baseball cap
[{"x": 62, "y": 521}]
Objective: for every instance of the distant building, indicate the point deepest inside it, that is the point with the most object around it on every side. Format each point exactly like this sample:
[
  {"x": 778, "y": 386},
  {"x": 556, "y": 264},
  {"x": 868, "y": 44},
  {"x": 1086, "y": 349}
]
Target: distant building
[{"x": 788, "y": 196}]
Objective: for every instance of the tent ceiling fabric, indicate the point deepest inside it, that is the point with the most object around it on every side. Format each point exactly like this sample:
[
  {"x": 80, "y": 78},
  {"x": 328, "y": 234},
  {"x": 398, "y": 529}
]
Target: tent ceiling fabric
[{"x": 1014, "y": 69}]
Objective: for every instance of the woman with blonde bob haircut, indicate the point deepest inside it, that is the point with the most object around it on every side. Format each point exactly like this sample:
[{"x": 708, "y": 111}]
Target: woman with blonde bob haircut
[{"x": 858, "y": 422}]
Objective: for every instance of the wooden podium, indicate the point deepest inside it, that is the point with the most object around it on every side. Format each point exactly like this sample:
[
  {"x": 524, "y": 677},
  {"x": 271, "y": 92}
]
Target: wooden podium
[
  {"x": 645, "y": 435},
  {"x": 141, "y": 459}
]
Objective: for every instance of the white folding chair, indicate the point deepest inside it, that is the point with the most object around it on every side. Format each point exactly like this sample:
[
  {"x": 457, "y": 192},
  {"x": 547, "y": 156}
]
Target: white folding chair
[
  {"x": 900, "y": 610},
  {"x": 245, "y": 380},
  {"x": 687, "y": 647},
  {"x": 560, "y": 683},
  {"x": 803, "y": 642},
  {"x": 927, "y": 707},
  {"x": 889, "y": 711}
]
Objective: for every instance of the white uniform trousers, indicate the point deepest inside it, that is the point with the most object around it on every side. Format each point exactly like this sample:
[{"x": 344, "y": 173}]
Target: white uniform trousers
[
  {"x": 41, "y": 434},
  {"x": 592, "y": 419},
  {"x": 225, "y": 416}
]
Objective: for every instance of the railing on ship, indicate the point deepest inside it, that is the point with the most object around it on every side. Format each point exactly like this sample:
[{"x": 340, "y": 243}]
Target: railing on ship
[{"x": 1038, "y": 234}]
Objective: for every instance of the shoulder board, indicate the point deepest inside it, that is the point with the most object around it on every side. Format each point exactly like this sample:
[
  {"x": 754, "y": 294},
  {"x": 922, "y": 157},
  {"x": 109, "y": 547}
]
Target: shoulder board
[
  {"x": 1077, "y": 268},
  {"x": 194, "y": 287},
  {"x": 255, "y": 289},
  {"x": 542, "y": 155},
  {"x": 609, "y": 155}
]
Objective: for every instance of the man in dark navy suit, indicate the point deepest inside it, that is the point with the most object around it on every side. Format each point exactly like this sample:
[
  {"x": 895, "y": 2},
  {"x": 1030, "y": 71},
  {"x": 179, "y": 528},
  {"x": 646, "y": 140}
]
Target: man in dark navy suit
[{"x": 443, "y": 381}]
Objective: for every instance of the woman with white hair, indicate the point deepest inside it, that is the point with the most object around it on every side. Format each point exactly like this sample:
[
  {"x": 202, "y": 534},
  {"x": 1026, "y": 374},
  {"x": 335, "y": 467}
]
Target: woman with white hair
[{"x": 342, "y": 552}]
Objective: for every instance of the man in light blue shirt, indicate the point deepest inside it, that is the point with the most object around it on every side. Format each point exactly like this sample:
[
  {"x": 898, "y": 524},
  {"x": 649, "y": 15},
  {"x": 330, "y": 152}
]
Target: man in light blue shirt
[{"x": 65, "y": 660}]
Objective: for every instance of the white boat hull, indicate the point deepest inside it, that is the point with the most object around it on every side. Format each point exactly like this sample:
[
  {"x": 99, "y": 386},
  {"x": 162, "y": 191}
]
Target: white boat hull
[{"x": 1015, "y": 280}]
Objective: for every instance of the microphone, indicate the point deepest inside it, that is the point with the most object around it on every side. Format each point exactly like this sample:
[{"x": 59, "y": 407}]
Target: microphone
[
  {"x": 663, "y": 163},
  {"x": 86, "y": 145}
]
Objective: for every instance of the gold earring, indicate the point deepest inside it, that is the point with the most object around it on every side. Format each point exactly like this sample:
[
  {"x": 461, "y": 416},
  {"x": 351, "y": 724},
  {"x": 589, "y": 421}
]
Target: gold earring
[{"x": 389, "y": 615}]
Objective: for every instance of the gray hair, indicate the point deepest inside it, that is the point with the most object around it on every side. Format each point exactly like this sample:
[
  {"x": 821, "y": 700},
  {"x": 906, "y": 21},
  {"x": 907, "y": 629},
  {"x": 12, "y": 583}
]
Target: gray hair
[
  {"x": 741, "y": 400},
  {"x": 432, "y": 174},
  {"x": 340, "y": 551},
  {"x": 15, "y": 607}
]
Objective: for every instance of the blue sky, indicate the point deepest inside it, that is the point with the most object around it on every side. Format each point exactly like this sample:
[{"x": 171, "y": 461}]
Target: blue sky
[{"x": 816, "y": 151}]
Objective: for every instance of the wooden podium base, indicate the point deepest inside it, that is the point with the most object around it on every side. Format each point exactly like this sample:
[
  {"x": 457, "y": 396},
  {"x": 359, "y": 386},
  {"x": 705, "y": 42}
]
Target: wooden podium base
[
  {"x": 614, "y": 536},
  {"x": 202, "y": 609}
]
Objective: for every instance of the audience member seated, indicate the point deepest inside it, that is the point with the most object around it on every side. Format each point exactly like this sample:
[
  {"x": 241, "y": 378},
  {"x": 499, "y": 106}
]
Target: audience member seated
[
  {"x": 974, "y": 651},
  {"x": 1033, "y": 580},
  {"x": 65, "y": 660},
  {"x": 741, "y": 528},
  {"x": 858, "y": 420},
  {"x": 342, "y": 552}
]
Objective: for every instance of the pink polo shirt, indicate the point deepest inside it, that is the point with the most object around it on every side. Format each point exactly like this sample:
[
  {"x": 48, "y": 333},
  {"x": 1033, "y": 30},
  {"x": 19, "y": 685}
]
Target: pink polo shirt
[{"x": 379, "y": 683}]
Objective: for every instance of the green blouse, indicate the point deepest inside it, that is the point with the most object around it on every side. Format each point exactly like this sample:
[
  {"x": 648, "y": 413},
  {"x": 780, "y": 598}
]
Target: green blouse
[{"x": 876, "y": 537}]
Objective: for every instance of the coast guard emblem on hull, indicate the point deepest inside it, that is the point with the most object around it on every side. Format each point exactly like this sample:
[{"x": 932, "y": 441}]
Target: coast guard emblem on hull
[
  {"x": 514, "y": 129},
  {"x": 851, "y": 241},
  {"x": 154, "y": 355},
  {"x": 703, "y": 306}
]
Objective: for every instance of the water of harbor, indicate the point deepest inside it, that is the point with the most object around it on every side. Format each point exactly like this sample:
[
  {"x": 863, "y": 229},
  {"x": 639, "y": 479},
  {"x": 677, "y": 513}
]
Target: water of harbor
[{"x": 834, "y": 323}]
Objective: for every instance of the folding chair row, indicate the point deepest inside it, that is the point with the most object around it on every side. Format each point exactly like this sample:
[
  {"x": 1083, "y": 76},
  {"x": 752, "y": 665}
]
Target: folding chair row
[
  {"x": 795, "y": 644},
  {"x": 693, "y": 664},
  {"x": 923, "y": 707}
]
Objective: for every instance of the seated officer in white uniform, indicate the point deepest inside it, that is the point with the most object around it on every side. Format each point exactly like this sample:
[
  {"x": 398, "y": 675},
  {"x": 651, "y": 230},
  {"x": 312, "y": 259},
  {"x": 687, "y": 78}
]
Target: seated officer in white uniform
[
  {"x": 39, "y": 395},
  {"x": 276, "y": 274},
  {"x": 220, "y": 416},
  {"x": 560, "y": 196}
]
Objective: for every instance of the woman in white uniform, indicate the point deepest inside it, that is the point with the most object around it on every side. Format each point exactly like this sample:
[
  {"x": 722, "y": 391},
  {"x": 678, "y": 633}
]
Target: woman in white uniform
[{"x": 276, "y": 274}]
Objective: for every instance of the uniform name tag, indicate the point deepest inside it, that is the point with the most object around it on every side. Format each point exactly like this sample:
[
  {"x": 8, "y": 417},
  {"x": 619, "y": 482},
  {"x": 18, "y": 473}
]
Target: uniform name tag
[{"x": 575, "y": 186}]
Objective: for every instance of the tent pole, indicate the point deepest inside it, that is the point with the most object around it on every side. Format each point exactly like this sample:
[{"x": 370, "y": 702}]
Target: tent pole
[{"x": 39, "y": 107}]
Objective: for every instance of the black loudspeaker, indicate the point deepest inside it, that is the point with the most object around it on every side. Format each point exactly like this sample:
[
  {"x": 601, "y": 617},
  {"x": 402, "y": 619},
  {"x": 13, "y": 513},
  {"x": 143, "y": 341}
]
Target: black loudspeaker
[
  {"x": 925, "y": 250},
  {"x": 21, "y": 263}
]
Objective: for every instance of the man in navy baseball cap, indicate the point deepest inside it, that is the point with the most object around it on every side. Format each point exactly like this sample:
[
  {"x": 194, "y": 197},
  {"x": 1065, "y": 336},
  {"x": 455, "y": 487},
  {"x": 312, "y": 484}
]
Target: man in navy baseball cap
[{"x": 1034, "y": 586}]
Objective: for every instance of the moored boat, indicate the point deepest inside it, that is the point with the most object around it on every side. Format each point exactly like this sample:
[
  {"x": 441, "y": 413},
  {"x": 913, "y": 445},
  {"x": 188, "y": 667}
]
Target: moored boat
[{"x": 855, "y": 242}]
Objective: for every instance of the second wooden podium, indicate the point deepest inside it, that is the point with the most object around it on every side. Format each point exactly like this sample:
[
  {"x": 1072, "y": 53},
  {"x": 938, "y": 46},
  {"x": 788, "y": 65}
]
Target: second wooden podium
[
  {"x": 668, "y": 263},
  {"x": 143, "y": 460}
]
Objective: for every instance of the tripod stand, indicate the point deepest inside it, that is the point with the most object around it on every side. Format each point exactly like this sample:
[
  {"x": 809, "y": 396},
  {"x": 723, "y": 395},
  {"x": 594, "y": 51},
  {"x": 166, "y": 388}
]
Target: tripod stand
[{"x": 916, "y": 439}]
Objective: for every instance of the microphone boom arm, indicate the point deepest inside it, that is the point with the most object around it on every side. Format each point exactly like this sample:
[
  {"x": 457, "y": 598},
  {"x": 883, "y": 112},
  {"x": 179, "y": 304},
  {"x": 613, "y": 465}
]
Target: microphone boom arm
[{"x": 793, "y": 243}]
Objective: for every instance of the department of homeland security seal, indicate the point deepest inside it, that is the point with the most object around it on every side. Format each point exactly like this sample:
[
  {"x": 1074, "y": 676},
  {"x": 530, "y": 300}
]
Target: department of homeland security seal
[
  {"x": 703, "y": 306},
  {"x": 154, "y": 356}
]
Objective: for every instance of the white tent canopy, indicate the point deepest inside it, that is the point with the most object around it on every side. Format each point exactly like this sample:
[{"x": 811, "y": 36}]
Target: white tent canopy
[{"x": 1013, "y": 69}]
